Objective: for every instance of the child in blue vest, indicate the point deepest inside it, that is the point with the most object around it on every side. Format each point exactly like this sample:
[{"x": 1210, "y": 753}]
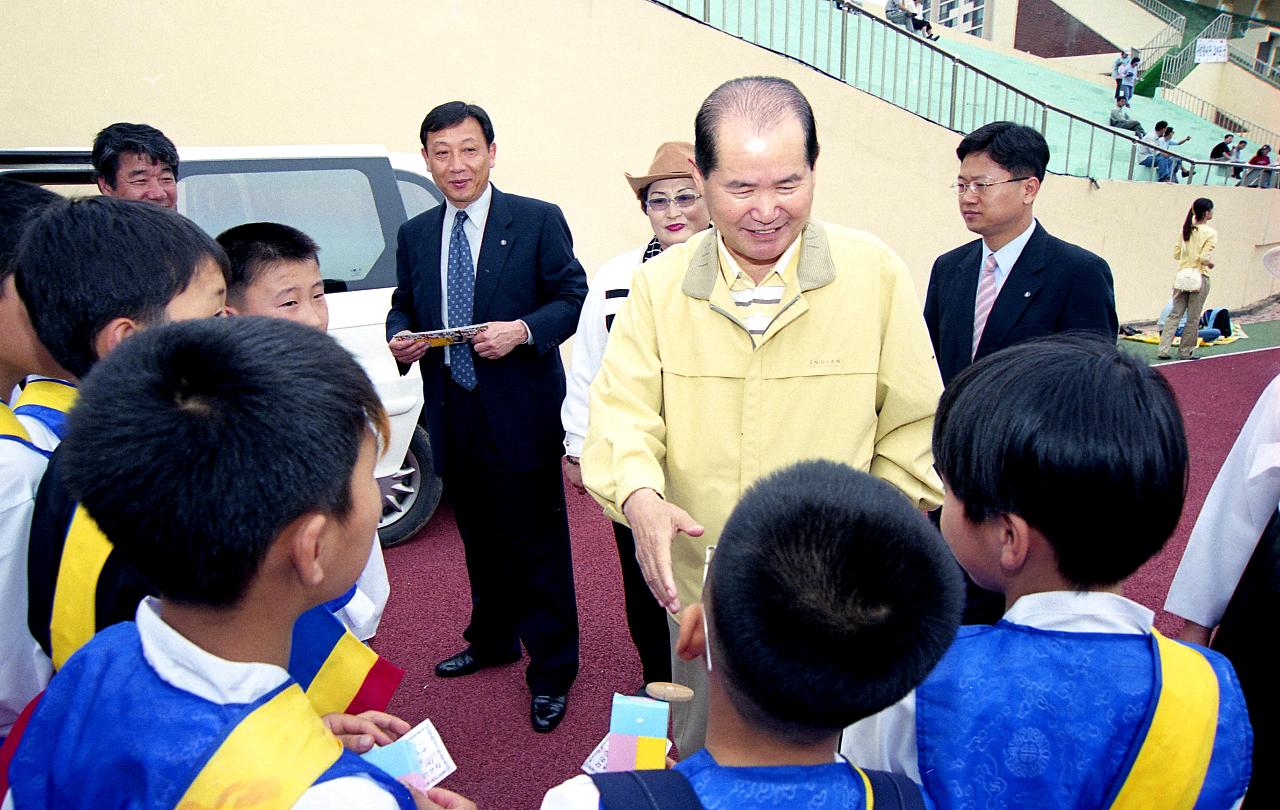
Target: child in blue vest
[
  {"x": 828, "y": 598},
  {"x": 175, "y": 448},
  {"x": 275, "y": 273},
  {"x": 93, "y": 272},
  {"x": 1065, "y": 464}
]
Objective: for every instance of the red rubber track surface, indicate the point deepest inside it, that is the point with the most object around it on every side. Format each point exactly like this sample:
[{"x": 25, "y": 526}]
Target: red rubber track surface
[{"x": 483, "y": 718}]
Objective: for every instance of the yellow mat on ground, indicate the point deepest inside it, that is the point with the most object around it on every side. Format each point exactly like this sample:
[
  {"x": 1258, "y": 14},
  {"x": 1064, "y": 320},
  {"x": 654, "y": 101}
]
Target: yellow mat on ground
[{"x": 1154, "y": 337}]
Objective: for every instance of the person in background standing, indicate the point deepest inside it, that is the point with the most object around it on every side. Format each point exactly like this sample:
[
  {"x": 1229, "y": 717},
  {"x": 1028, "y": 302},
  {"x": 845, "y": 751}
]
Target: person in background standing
[
  {"x": 491, "y": 404},
  {"x": 1117, "y": 69},
  {"x": 1194, "y": 249},
  {"x": 676, "y": 211}
]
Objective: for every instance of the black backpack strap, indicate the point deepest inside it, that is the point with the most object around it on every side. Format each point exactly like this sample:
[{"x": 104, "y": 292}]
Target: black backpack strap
[
  {"x": 893, "y": 791},
  {"x": 646, "y": 790}
]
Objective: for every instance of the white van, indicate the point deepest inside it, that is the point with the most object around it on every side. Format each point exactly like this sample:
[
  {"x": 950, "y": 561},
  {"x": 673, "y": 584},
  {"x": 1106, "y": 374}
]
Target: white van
[{"x": 351, "y": 200}]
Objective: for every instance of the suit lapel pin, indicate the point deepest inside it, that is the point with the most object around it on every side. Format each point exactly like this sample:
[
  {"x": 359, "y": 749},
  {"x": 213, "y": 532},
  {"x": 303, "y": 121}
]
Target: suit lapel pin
[
  {"x": 503, "y": 243},
  {"x": 1027, "y": 294}
]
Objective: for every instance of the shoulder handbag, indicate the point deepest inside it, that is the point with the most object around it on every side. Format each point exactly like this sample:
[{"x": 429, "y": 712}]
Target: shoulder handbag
[{"x": 1187, "y": 280}]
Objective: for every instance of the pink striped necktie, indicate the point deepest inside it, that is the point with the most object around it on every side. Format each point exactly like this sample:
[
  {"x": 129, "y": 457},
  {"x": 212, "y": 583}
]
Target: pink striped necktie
[{"x": 983, "y": 300}]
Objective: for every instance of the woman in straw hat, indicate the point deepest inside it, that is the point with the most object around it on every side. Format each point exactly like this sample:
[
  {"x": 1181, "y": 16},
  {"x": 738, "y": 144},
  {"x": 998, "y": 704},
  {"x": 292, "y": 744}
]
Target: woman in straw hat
[{"x": 676, "y": 211}]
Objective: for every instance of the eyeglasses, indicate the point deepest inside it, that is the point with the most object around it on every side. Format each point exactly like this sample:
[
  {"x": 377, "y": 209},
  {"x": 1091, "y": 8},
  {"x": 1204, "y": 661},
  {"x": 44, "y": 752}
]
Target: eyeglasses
[
  {"x": 980, "y": 188},
  {"x": 661, "y": 204}
]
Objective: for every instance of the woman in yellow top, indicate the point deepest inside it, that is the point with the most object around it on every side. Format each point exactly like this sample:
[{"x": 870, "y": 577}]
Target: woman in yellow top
[{"x": 1194, "y": 250}]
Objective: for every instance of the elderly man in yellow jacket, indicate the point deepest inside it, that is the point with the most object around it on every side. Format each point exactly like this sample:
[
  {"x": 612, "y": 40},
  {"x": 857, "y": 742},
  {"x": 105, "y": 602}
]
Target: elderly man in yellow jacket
[{"x": 769, "y": 339}]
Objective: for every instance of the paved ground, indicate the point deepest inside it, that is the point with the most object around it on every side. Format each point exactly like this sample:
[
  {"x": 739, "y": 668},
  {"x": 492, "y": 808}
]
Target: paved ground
[{"x": 483, "y": 718}]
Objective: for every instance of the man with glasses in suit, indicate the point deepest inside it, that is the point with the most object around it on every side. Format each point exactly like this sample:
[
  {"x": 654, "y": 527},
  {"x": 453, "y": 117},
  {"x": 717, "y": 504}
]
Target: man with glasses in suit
[{"x": 1016, "y": 282}]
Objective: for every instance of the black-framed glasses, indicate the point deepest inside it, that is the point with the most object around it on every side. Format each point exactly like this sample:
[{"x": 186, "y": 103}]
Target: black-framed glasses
[
  {"x": 980, "y": 188},
  {"x": 661, "y": 204}
]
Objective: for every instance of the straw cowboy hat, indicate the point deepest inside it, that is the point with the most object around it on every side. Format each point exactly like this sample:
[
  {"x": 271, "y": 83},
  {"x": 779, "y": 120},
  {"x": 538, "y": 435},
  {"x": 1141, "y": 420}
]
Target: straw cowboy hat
[{"x": 670, "y": 161}]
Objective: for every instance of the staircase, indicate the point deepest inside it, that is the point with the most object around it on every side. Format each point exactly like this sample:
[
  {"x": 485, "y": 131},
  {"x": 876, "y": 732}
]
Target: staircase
[
  {"x": 871, "y": 55},
  {"x": 1178, "y": 65},
  {"x": 1167, "y": 38}
]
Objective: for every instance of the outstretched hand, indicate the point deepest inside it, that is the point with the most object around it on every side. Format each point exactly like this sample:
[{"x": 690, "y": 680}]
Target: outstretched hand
[{"x": 655, "y": 524}]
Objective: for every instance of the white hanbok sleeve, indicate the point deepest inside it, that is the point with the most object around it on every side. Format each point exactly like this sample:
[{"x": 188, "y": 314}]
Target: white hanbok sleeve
[
  {"x": 1241, "y": 502},
  {"x": 886, "y": 741}
]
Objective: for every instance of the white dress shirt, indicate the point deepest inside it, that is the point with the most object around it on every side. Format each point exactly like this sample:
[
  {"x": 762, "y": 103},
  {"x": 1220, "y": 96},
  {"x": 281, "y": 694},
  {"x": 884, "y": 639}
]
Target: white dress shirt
[
  {"x": 1241, "y": 502},
  {"x": 1007, "y": 256},
  {"x": 477, "y": 217}
]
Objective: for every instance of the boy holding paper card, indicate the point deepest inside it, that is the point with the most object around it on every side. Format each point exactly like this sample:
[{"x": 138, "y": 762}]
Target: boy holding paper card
[
  {"x": 193, "y": 702},
  {"x": 828, "y": 598}
]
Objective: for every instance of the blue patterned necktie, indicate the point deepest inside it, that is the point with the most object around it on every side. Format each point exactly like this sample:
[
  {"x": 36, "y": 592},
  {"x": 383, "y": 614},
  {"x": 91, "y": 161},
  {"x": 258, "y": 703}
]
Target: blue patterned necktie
[{"x": 462, "y": 289}]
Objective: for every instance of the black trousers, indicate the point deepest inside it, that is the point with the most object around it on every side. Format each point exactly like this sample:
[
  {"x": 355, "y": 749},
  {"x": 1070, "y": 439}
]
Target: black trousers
[
  {"x": 646, "y": 619},
  {"x": 515, "y": 534},
  {"x": 1242, "y": 637}
]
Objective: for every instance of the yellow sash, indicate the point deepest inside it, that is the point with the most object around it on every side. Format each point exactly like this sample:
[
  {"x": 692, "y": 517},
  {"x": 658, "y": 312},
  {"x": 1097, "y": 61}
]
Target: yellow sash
[
  {"x": 10, "y": 426},
  {"x": 866, "y": 787},
  {"x": 269, "y": 759},
  {"x": 1174, "y": 757},
  {"x": 57, "y": 396},
  {"x": 73, "y": 620},
  {"x": 341, "y": 675}
]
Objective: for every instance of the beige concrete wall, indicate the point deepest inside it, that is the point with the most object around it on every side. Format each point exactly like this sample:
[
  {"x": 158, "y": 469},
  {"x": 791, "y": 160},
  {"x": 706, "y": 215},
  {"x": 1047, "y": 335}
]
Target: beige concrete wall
[
  {"x": 1237, "y": 91},
  {"x": 1126, "y": 24},
  {"x": 1001, "y": 21},
  {"x": 575, "y": 105}
]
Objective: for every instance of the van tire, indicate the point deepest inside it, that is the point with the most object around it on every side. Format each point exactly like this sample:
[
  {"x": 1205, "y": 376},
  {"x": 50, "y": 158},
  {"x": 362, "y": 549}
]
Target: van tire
[{"x": 409, "y": 496}]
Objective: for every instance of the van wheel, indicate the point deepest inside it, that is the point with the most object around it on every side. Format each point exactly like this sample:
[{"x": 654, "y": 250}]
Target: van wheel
[{"x": 410, "y": 495}]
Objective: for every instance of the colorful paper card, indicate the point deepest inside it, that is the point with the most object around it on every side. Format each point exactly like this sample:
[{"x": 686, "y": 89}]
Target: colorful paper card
[
  {"x": 598, "y": 760},
  {"x": 637, "y": 734},
  {"x": 419, "y": 758},
  {"x": 639, "y": 716}
]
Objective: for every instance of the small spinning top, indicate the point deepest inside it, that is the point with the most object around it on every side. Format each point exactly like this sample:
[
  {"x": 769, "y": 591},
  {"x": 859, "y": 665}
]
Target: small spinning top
[{"x": 669, "y": 692}]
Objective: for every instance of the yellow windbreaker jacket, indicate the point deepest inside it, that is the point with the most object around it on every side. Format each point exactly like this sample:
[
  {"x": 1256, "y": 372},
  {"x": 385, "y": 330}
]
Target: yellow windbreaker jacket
[{"x": 687, "y": 403}]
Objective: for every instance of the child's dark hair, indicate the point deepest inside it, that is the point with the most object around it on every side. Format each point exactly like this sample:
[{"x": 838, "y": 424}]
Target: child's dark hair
[
  {"x": 194, "y": 444},
  {"x": 1195, "y": 214},
  {"x": 829, "y": 598},
  {"x": 1083, "y": 441},
  {"x": 20, "y": 202},
  {"x": 252, "y": 247},
  {"x": 81, "y": 265}
]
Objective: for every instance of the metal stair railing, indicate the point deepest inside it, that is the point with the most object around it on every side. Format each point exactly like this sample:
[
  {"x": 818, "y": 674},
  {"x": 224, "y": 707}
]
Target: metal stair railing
[
  {"x": 1209, "y": 111},
  {"x": 1167, "y": 38},
  {"x": 1178, "y": 66},
  {"x": 1268, "y": 73},
  {"x": 869, "y": 54}
]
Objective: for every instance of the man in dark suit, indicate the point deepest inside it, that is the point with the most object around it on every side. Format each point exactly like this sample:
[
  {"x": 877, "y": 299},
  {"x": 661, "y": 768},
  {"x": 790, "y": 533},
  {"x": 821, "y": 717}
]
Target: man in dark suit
[
  {"x": 1017, "y": 282},
  {"x": 493, "y": 405}
]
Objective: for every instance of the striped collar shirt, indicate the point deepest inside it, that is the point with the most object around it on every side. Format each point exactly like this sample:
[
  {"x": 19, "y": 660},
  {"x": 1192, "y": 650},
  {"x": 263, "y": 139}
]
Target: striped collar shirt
[{"x": 757, "y": 304}]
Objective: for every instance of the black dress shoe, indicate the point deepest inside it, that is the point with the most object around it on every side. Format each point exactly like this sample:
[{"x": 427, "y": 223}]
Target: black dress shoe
[
  {"x": 464, "y": 663},
  {"x": 546, "y": 712}
]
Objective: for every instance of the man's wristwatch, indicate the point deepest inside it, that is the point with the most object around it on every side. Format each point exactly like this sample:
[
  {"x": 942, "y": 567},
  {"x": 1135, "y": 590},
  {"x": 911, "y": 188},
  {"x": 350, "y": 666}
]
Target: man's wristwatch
[{"x": 571, "y": 460}]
